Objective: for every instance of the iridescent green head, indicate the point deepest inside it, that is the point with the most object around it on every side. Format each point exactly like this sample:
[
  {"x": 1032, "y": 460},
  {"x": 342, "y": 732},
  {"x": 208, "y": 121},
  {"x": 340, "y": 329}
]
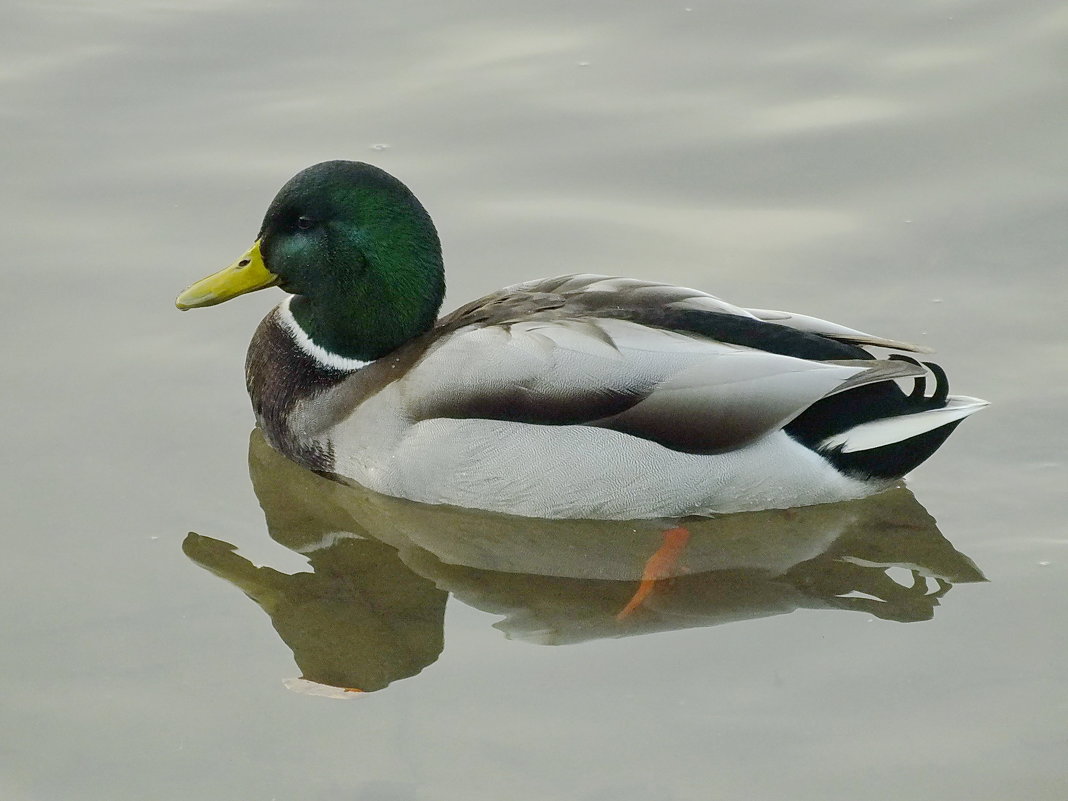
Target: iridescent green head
[{"x": 358, "y": 251}]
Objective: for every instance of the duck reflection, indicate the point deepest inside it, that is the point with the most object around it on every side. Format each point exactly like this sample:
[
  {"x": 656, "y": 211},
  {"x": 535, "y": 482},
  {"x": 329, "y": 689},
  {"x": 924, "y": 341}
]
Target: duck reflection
[{"x": 372, "y": 609}]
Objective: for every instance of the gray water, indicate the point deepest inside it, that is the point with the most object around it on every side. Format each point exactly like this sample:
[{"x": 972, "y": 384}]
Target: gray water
[{"x": 895, "y": 167}]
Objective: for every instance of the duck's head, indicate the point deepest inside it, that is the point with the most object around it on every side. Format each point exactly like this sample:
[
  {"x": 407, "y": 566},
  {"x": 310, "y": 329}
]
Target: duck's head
[{"x": 355, "y": 247}]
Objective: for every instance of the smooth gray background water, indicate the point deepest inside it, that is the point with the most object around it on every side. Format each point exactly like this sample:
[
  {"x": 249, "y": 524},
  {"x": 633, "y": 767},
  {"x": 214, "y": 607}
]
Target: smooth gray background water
[{"x": 896, "y": 167}]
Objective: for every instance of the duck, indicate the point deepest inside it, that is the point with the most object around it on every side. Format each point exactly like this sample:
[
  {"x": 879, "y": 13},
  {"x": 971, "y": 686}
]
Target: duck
[{"x": 579, "y": 396}]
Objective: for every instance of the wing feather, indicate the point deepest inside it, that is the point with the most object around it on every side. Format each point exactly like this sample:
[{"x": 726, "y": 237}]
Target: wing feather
[
  {"x": 684, "y": 391},
  {"x": 825, "y": 328}
]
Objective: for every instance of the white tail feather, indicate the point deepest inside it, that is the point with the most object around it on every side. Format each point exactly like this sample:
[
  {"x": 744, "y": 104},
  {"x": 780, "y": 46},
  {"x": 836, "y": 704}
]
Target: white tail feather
[{"x": 889, "y": 430}]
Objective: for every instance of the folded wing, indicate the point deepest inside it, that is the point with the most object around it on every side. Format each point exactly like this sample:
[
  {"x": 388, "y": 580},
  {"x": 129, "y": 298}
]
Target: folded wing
[{"x": 675, "y": 387}]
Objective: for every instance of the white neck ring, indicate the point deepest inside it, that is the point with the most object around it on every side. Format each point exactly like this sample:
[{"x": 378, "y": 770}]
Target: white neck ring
[{"x": 304, "y": 342}]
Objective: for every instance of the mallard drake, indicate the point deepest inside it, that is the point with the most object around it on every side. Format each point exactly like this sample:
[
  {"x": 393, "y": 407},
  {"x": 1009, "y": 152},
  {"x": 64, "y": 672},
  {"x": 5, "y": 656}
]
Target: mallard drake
[{"x": 580, "y": 396}]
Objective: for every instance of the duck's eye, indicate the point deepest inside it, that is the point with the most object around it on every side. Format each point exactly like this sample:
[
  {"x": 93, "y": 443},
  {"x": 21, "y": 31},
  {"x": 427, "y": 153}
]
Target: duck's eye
[{"x": 304, "y": 223}]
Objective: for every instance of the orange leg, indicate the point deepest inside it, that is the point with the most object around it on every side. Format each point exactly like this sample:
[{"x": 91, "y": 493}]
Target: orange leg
[{"x": 657, "y": 567}]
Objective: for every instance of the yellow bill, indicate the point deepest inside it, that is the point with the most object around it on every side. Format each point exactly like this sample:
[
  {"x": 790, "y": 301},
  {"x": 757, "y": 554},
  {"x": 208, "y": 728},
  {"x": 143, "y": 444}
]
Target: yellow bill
[{"x": 247, "y": 274}]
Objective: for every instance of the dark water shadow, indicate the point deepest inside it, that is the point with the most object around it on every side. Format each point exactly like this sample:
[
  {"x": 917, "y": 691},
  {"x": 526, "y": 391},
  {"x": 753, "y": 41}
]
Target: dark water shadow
[{"x": 372, "y": 609}]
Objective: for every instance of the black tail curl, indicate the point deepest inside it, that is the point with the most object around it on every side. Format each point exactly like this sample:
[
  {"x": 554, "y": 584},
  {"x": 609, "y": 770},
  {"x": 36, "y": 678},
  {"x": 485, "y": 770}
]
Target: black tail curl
[
  {"x": 919, "y": 388},
  {"x": 845, "y": 410}
]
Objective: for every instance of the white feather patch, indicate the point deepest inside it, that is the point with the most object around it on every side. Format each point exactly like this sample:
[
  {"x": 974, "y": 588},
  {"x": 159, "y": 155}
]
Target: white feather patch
[
  {"x": 889, "y": 430},
  {"x": 304, "y": 342}
]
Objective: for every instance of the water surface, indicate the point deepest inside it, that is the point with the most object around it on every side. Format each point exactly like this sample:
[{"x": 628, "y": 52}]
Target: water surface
[{"x": 898, "y": 168}]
